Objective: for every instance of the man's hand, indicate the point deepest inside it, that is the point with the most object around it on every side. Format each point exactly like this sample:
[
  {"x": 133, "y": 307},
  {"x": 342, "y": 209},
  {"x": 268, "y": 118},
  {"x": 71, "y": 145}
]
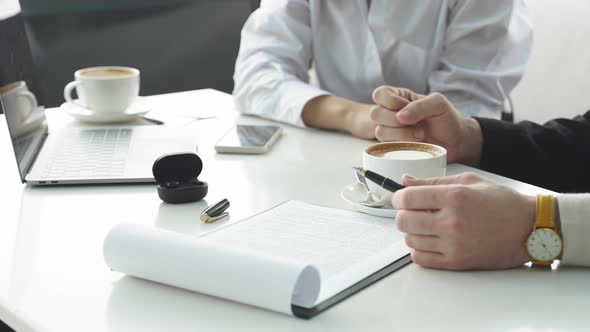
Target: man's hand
[
  {"x": 404, "y": 115},
  {"x": 464, "y": 222}
]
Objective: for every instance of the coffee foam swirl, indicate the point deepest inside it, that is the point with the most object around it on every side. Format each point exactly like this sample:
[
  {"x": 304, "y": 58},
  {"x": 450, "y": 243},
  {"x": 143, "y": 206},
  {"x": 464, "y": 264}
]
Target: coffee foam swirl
[
  {"x": 106, "y": 72},
  {"x": 385, "y": 150}
]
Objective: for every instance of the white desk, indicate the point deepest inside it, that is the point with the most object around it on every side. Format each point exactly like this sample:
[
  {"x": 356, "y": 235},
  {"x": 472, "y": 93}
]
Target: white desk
[{"x": 53, "y": 277}]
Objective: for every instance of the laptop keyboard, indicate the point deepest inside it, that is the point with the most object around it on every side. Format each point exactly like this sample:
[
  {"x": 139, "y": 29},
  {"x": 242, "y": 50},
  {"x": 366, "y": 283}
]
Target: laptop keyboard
[{"x": 95, "y": 153}]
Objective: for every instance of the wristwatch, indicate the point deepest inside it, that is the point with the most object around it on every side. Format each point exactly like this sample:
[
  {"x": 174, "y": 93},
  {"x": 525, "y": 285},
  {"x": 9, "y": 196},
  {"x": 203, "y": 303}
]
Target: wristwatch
[{"x": 544, "y": 244}]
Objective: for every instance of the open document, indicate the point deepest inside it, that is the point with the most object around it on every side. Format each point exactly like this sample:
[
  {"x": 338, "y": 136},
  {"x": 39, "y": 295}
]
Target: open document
[{"x": 296, "y": 254}]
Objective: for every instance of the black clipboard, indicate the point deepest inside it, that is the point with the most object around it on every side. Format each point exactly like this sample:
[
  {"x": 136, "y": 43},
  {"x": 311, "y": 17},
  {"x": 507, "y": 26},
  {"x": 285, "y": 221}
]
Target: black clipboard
[{"x": 308, "y": 313}]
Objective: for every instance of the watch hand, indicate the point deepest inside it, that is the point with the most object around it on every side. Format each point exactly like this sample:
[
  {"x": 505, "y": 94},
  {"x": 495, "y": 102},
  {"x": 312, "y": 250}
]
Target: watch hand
[{"x": 547, "y": 250}]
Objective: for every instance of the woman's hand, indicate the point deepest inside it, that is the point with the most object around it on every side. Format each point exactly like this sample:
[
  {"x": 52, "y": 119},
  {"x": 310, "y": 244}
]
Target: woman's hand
[
  {"x": 336, "y": 113},
  {"x": 360, "y": 123}
]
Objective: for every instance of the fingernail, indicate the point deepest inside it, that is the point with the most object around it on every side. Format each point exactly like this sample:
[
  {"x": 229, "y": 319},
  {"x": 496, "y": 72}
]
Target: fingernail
[
  {"x": 419, "y": 133},
  {"x": 407, "y": 179}
]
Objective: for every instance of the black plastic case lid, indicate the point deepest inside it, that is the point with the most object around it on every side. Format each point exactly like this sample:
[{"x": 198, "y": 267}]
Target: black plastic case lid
[{"x": 177, "y": 167}]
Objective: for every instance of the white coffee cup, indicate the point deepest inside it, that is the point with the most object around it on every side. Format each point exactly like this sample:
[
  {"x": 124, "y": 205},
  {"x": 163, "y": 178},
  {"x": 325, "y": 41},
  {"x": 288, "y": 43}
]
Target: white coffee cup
[
  {"x": 104, "y": 89},
  {"x": 394, "y": 159},
  {"x": 18, "y": 101}
]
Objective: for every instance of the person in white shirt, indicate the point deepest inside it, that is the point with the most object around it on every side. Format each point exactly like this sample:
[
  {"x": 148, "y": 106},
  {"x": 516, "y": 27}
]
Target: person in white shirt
[
  {"x": 473, "y": 51},
  {"x": 467, "y": 222}
]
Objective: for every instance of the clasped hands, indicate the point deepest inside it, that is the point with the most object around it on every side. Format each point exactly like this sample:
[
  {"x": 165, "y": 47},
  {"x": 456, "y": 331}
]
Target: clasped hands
[{"x": 456, "y": 222}]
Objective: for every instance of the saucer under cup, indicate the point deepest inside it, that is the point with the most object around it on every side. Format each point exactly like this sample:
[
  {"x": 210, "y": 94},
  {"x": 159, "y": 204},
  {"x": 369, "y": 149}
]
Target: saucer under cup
[
  {"x": 85, "y": 115},
  {"x": 355, "y": 193}
]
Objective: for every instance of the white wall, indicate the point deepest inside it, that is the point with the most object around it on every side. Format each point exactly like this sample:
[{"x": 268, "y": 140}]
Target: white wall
[{"x": 557, "y": 81}]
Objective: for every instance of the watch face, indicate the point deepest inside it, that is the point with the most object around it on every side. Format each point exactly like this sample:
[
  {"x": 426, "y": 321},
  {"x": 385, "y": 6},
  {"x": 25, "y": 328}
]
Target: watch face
[{"x": 544, "y": 244}]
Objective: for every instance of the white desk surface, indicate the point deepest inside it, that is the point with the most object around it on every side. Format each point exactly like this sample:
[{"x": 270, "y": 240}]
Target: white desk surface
[{"x": 53, "y": 277}]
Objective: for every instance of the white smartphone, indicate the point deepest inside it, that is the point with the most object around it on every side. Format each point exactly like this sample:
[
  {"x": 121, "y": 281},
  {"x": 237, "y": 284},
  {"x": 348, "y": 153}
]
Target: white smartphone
[{"x": 248, "y": 139}]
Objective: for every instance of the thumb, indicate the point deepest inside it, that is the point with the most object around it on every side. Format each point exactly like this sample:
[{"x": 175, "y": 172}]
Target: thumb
[{"x": 431, "y": 106}]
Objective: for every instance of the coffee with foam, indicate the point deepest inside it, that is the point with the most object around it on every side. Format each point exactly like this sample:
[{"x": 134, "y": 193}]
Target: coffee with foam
[
  {"x": 106, "y": 72},
  {"x": 394, "y": 159},
  {"x": 405, "y": 151},
  {"x": 407, "y": 155}
]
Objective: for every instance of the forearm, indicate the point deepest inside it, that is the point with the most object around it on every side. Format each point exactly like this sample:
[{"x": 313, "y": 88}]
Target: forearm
[{"x": 332, "y": 112}]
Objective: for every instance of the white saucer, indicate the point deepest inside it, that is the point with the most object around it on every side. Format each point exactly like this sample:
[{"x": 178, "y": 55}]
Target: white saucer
[
  {"x": 83, "y": 114},
  {"x": 355, "y": 193}
]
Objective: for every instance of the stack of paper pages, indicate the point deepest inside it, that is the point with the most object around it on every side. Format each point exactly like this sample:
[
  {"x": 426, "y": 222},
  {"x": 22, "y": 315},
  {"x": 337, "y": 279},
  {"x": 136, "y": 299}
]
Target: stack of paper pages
[{"x": 294, "y": 255}]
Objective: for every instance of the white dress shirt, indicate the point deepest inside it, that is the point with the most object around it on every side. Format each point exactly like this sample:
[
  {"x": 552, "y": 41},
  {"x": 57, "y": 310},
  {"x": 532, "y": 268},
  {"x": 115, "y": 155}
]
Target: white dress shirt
[
  {"x": 473, "y": 51},
  {"x": 574, "y": 213}
]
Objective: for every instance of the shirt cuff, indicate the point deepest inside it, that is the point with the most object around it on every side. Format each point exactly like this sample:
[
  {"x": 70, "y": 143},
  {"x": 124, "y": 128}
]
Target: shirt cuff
[
  {"x": 296, "y": 95},
  {"x": 574, "y": 213}
]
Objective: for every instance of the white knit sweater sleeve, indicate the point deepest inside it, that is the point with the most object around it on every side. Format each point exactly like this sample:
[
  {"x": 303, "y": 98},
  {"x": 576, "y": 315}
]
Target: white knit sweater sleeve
[{"x": 574, "y": 213}]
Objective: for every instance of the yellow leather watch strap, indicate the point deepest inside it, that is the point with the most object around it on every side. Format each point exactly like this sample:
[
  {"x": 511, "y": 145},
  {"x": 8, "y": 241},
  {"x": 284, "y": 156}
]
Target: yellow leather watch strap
[{"x": 545, "y": 212}]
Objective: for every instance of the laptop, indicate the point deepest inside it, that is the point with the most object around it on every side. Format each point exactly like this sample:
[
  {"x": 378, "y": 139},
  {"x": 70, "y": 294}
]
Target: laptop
[{"x": 74, "y": 155}]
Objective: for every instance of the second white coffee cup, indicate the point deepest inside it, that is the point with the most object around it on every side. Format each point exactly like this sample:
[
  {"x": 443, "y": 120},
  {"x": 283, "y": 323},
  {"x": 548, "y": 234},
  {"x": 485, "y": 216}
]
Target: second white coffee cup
[
  {"x": 19, "y": 100},
  {"x": 104, "y": 89},
  {"x": 394, "y": 159}
]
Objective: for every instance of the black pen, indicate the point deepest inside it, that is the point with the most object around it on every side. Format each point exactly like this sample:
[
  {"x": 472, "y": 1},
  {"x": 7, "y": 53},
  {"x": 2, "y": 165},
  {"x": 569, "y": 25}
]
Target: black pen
[
  {"x": 385, "y": 183},
  {"x": 152, "y": 120}
]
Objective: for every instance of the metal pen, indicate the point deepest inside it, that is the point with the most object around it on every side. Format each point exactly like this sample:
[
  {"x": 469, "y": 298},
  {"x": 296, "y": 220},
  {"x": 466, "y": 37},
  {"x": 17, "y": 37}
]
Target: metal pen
[{"x": 385, "y": 183}]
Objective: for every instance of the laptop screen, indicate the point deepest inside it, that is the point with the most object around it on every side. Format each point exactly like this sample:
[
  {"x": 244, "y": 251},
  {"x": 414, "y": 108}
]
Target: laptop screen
[{"x": 19, "y": 97}]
